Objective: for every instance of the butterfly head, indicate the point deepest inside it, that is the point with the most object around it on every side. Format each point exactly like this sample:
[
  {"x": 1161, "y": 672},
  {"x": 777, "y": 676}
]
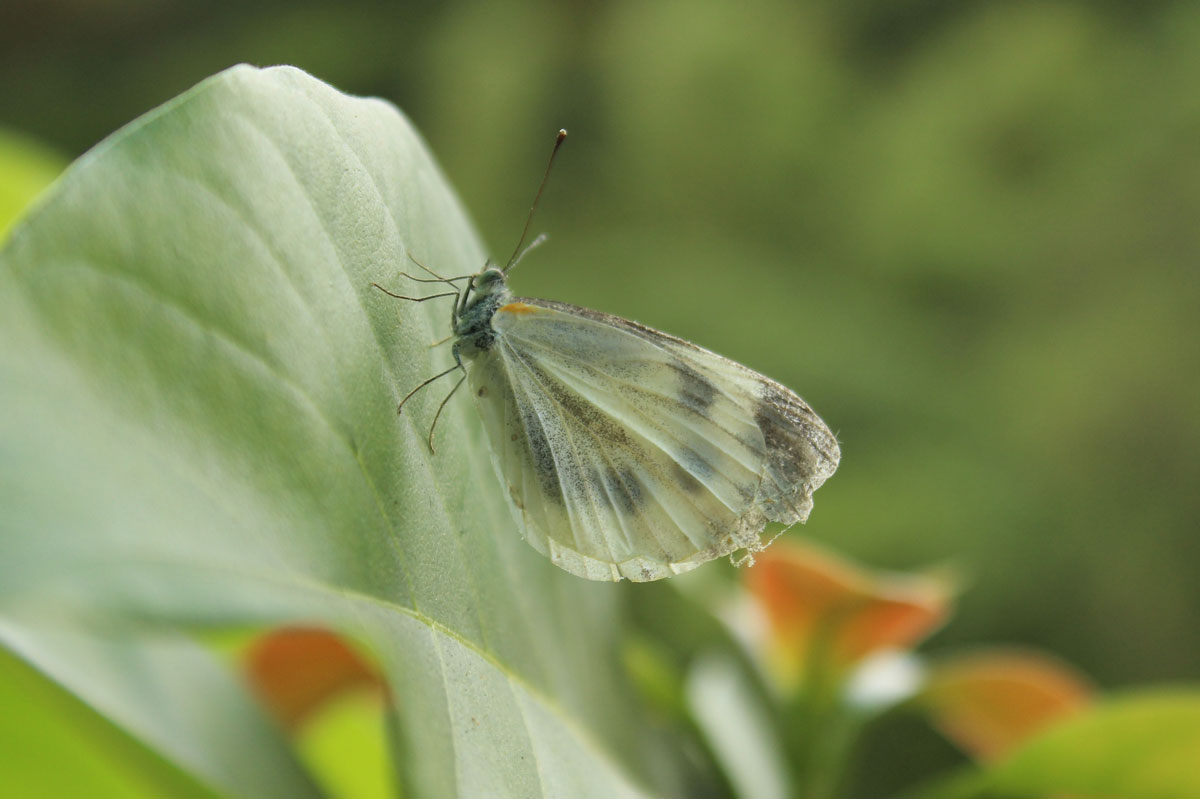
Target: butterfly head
[
  {"x": 488, "y": 281},
  {"x": 487, "y": 284}
]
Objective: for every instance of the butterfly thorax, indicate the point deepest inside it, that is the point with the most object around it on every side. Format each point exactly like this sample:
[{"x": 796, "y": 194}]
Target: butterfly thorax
[{"x": 473, "y": 323}]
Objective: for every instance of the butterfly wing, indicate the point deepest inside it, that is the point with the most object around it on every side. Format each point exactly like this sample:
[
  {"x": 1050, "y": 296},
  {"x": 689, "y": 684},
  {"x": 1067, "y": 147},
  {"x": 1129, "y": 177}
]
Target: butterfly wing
[{"x": 631, "y": 453}]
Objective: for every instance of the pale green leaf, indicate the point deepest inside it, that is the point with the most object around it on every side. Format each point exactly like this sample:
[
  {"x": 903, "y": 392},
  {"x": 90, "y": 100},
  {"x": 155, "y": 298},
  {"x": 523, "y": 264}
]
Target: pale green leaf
[
  {"x": 198, "y": 386},
  {"x": 1144, "y": 745},
  {"x": 54, "y": 745},
  {"x": 162, "y": 689}
]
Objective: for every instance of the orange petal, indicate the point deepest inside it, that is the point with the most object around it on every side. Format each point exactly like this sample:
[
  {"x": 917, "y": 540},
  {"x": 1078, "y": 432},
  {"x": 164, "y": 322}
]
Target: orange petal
[
  {"x": 815, "y": 599},
  {"x": 988, "y": 702},
  {"x": 296, "y": 670}
]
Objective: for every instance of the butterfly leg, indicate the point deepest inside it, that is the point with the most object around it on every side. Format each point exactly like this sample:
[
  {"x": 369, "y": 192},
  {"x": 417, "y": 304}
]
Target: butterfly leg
[
  {"x": 424, "y": 383},
  {"x": 433, "y": 426},
  {"x": 415, "y": 299},
  {"x": 436, "y": 277},
  {"x": 449, "y": 280}
]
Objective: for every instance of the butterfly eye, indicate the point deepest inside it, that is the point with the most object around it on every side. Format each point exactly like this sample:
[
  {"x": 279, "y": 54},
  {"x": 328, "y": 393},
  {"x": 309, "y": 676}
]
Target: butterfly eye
[{"x": 488, "y": 279}]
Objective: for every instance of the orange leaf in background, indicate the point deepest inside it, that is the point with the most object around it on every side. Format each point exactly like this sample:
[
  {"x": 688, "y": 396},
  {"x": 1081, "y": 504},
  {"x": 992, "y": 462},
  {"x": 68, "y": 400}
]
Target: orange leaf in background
[
  {"x": 296, "y": 670},
  {"x": 989, "y": 702},
  {"x": 815, "y": 599}
]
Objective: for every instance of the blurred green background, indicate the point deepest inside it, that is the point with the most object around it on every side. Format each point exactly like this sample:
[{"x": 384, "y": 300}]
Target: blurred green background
[{"x": 965, "y": 232}]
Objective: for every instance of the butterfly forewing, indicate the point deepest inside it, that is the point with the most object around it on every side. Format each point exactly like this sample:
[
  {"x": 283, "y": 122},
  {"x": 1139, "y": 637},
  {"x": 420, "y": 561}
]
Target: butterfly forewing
[{"x": 632, "y": 453}]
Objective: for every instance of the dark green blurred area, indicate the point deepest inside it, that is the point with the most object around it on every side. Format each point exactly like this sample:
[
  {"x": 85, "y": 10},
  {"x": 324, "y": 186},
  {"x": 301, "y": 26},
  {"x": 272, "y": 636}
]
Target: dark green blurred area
[{"x": 966, "y": 233}]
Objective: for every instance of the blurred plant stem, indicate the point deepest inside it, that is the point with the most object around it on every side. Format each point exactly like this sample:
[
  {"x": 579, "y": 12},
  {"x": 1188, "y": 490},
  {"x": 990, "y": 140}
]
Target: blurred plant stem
[{"x": 823, "y": 727}]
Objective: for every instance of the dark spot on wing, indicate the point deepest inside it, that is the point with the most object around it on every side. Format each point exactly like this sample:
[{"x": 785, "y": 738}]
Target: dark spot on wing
[
  {"x": 543, "y": 457},
  {"x": 694, "y": 463},
  {"x": 625, "y": 488},
  {"x": 783, "y": 427},
  {"x": 694, "y": 390},
  {"x": 594, "y": 479},
  {"x": 770, "y": 418}
]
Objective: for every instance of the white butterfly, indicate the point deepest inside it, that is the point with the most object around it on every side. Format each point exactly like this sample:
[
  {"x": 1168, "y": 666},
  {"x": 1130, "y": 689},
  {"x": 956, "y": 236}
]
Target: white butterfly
[{"x": 629, "y": 452}]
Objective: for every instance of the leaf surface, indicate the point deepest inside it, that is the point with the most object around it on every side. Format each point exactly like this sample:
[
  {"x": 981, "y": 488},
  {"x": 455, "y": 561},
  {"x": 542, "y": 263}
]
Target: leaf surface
[
  {"x": 199, "y": 386},
  {"x": 1143, "y": 745}
]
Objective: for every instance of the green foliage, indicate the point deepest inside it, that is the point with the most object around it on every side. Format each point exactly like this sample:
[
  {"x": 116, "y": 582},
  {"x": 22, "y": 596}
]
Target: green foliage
[
  {"x": 25, "y": 169},
  {"x": 1144, "y": 745},
  {"x": 55, "y": 745},
  {"x": 151, "y": 715},
  {"x": 199, "y": 388},
  {"x": 966, "y": 232}
]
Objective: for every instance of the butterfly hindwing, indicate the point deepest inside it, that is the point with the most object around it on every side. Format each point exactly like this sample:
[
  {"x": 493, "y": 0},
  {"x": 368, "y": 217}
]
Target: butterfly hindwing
[{"x": 632, "y": 453}]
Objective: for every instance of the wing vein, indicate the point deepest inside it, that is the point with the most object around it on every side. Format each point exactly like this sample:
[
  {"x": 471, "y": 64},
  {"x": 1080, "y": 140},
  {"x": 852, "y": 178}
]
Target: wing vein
[
  {"x": 690, "y": 415},
  {"x": 582, "y": 523},
  {"x": 644, "y": 432},
  {"x": 541, "y": 378},
  {"x": 537, "y": 412}
]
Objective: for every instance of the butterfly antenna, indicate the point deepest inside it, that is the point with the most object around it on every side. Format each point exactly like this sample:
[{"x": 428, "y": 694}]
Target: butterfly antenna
[
  {"x": 518, "y": 253},
  {"x": 538, "y": 242}
]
